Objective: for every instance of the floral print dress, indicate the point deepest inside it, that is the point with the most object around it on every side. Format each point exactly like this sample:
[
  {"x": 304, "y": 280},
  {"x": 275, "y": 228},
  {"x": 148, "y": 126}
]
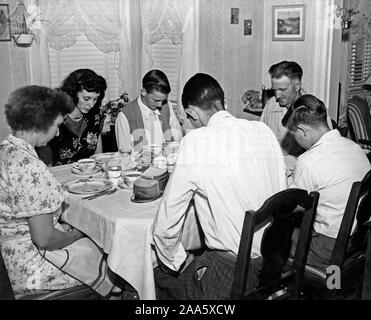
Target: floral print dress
[
  {"x": 69, "y": 147},
  {"x": 27, "y": 188}
]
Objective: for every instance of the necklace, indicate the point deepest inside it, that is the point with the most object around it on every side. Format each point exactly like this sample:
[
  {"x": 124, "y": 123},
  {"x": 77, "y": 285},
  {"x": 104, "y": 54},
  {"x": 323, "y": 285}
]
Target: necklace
[{"x": 76, "y": 119}]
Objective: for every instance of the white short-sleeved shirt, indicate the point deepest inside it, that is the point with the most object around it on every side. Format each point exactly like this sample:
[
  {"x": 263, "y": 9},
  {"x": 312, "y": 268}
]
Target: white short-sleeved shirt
[{"x": 330, "y": 167}]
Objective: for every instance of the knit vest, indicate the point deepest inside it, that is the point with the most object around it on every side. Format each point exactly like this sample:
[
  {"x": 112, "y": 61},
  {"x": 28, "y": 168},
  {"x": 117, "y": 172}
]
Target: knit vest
[{"x": 134, "y": 116}]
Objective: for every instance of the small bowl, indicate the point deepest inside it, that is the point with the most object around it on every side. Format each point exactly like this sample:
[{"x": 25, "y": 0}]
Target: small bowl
[{"x": 130, "y": 177}]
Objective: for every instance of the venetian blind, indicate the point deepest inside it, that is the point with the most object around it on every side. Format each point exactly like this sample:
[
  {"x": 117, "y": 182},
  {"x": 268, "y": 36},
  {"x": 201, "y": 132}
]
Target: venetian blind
[
  {"x": 360, "y": 64},
  {"x": 166, "y": 57},
  {"x": 84, "y": 54}
]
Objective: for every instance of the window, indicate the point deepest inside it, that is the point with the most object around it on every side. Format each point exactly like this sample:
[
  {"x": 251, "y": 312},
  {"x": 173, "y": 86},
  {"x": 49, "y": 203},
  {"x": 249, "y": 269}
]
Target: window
[
  {"x": 166, "y": 57},
  {"x": 360, "y": 64},
  {"x": 84, "y": 54}
]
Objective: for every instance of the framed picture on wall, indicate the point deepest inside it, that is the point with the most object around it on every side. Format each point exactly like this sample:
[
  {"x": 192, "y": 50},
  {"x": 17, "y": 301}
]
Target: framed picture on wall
[
  {"x": 235, "y": 15},
  {"x": 247, "y": 27},
  {"x": 4, "y": 23},
  {"x": 288, "y": 23}
]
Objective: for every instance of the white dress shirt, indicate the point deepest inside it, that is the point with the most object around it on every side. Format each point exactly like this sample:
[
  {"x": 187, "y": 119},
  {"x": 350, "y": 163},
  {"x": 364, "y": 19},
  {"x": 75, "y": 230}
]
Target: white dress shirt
[
  {"x": 330, "y": 167},
  {"x": 272, "y": 116},
  {"x": 230, "y": 166},
  {"x": 124, "y": 138}
]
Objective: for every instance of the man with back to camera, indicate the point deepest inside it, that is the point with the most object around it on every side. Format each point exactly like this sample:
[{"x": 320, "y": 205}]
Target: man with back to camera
[
  {"x": 330, "y": 165},
  {"x": 149, "y": 119},
  {"x": 226, "y": 166}
]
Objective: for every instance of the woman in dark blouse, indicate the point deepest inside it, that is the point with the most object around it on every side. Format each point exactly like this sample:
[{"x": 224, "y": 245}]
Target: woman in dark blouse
[{"x": 80, "y": 134}]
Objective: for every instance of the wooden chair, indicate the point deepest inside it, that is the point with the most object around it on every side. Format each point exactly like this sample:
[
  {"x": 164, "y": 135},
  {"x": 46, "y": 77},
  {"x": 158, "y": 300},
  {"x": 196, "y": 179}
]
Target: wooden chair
[
  {"x": 276, "y": 245},
  {"x": 349, "y": 251},
  {"x": 6, "y": 291},
  {"x": 81, "y": 292},
  {"x": 366, "y": 286},
  {"x": 360, "y": 121}
]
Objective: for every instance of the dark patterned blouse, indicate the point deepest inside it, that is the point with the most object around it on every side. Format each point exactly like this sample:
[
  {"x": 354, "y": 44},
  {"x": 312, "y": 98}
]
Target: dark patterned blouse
[{"x": 77, "y": 140}]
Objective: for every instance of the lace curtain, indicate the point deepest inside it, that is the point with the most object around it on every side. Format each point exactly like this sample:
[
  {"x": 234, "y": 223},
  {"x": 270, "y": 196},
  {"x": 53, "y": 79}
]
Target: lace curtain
[
  {"x": 130, "y": 70},
  {"x": 178, "y": 20},
  {"x": 127, "y": 26},
  {"x": 66, "y": 19}
]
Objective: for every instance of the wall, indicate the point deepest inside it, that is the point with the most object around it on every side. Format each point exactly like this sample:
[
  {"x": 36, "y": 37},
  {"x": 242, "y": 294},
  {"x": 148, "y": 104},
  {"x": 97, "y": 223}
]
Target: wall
[
  {"x": 13, "y": 73},
  {"x": 233, "y": 59},
  {"x": 241, "y": 62},
  {"x": 238, "y": 62},
  {"x": 299, "y": 51},
  {"x": 318, "y": 54}
]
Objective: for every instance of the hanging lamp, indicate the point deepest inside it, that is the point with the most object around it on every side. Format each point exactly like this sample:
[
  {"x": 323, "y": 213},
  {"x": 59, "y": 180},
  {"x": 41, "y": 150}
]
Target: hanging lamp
[{"x": 21, "y": 34}]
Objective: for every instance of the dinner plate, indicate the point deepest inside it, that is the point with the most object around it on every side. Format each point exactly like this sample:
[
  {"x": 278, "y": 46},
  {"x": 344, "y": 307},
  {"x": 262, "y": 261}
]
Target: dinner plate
[
  {"x": 87, "y": 186},
  {"x": 76, "y": 170},
  {"x": 103, "y": 157}
]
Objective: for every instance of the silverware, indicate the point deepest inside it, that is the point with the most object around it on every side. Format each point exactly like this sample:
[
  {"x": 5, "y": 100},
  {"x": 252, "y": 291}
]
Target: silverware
[{"x": 99, "y": 194}]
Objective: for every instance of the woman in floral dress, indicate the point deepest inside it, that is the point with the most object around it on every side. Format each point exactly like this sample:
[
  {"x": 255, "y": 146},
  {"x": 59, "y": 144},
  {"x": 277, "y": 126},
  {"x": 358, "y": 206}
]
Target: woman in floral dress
[
  {"x": 80, "y": 134},
  {"x": 34, "y": 245}
]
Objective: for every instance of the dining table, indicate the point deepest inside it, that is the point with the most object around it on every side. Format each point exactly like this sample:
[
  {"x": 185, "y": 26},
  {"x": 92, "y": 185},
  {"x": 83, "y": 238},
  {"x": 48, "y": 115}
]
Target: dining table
[{"x": 123, "y": 229}]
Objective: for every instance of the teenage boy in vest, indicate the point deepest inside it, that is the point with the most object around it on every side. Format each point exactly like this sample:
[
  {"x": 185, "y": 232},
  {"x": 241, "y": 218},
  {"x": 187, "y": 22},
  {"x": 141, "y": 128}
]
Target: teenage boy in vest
[{"x": 149, "y": 119}]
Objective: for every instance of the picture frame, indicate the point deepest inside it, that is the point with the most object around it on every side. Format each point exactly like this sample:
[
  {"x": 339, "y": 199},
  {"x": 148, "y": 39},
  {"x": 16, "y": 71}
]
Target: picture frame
[
  {"x": 288, "y": 22},
  {"x": 235, "y": 15},
  {"x": 4, "y": 23},
  {"x": 247, "y": 27}
]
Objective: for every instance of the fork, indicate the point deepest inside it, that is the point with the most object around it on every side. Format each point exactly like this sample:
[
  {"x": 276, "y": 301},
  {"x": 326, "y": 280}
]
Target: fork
[{"x": 94, "y": 196}]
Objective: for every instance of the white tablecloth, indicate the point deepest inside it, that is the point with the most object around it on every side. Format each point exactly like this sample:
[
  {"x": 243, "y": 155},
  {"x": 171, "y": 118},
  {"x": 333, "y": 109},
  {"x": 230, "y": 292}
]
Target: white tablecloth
[{"x": 122, "y": 229}]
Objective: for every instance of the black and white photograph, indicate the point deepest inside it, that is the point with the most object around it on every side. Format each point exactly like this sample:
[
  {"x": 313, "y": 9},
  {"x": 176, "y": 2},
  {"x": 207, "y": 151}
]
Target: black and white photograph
[
  {"x": 167, "y": 153},
  {"x": 235, "y": 15},
  {"x": 247, "y": 27}
]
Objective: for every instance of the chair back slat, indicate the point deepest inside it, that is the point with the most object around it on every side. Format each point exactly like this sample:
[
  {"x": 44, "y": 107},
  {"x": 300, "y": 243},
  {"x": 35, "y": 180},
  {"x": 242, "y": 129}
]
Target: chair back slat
[
  {"x": 243, "y": 261},
  {"x": 366, "y": 283},
  {"x": 303, "y": 244},
  {"x": 279, "y": 211},
  {"x": 357, "y": 207},
  {"x": 6, "y": 291},
  {"x": 359, "y": 119}
]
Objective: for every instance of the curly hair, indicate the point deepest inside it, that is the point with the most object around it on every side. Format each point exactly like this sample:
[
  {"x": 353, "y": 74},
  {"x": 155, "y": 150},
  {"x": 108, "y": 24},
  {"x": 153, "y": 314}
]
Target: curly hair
[
  {"x": 86, "y": 79},
  {"x": 156, "y": 80},
  {"x": 36, "y": 108}
]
